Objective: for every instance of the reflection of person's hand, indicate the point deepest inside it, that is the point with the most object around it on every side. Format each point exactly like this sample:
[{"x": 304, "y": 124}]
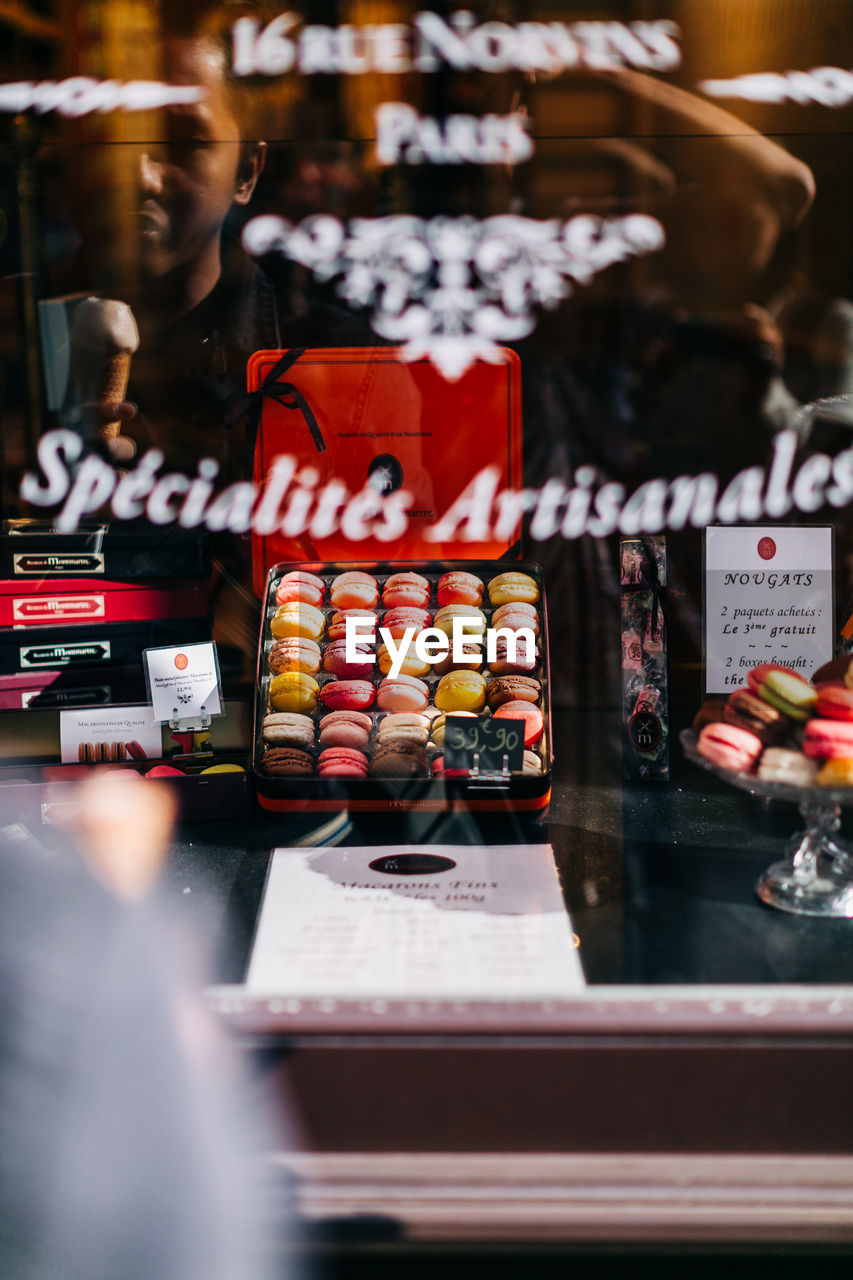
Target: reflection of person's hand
[
  {"x": 122, "y": 825},
  {"x": 104, "y": 413}
]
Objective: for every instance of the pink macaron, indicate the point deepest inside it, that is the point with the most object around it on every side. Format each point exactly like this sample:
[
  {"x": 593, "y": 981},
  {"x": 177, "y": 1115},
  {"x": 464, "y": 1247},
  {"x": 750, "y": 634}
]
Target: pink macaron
[
  {"x": 299, "y": 585},
  {"x": 398, "y": 621},
  {"x": 335, "y": 661},
  {"x": 345, "y": 729},
  {"x": 347, "y": 695},
  {"x": 755, "y": 678},
  {"x": 341, "y": 762},
  {"x": 835, "y": 701},
  {"x": 729, "y": 747},
  {"x": 828, "y": 740},
  {"x": 406, "y": 590},
  {"x": 439, "y": 770},
  {"x": 526, "y": 657},
  {"x": 406, "y": 693},
  {"x": 338, "y": 622},
  {"x": 515, "y": 615},
  {"x": 458, "y": 587},
  {"x": 354, "y": 590},
  {"x": 526, "y": 711}
]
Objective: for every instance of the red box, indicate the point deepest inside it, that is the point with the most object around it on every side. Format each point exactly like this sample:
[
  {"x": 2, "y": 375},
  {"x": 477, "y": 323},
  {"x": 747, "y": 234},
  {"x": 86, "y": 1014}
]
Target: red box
[
  {"x": 77, "y": 601},
  {"x": 370, "y": 410}
]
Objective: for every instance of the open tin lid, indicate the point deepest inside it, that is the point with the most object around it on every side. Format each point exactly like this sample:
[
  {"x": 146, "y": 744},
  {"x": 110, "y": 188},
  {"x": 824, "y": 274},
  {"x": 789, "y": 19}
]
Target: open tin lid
[{"x": 364, "y": 418}]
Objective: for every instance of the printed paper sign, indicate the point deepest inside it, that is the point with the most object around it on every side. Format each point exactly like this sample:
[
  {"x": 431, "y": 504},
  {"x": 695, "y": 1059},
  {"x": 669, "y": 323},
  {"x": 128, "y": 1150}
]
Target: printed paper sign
[
  {"x": 183, "y": 681},
  {"x": 415, "y": 921},
  {"x": 768, "y": 598},
  {"x": 109, "y": 734}
]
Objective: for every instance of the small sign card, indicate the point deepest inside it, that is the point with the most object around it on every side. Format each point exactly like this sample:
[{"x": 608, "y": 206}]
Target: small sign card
[
  {"x": 183, "y": 681},
  {"x": 109, "y": 734},
  {"x": 768, "y": 598},
  {"x": 438, "y": 922},
  {"x": 493, "y": 745}
]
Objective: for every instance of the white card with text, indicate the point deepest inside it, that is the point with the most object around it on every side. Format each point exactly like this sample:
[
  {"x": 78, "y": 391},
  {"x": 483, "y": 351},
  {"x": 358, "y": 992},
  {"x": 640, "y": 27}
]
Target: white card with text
[
  {"x": 768, "y": 598},
  {"x": 442, "y": 922},
  {"x": 96, "y": 734},
  {"x": 183, "y": 681}
]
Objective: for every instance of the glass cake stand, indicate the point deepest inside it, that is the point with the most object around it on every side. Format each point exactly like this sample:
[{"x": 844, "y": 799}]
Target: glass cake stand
[{"x": 817, "y": 878}]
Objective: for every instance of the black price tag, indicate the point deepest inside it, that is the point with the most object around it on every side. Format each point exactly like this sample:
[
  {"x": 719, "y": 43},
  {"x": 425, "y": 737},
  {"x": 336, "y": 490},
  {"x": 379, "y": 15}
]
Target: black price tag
[{"x": 497, "y": 744}]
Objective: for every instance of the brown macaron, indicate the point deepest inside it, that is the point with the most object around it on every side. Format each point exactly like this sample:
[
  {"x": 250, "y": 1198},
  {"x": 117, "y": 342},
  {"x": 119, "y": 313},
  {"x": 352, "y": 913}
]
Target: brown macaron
[
  {"x": 513, "y": 689},
  {"x": 710, "y": 712},
  {"x": 840, "y": 668},
  {"x": 287, "y": 762},
  {"x": 400, "y": 760},
  {"x": 746, "y": 711}
]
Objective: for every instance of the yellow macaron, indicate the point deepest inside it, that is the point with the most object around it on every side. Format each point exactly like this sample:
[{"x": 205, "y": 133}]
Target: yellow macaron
[
  {"x": 412, "y": 665},
  {"x": 294, "y": 691},
  {"x": 439, "y": 724},
  {"x": 474, "y": 620},
  {"x": 461, "y": 691},
  {"x": 224, "y": 768},
  {"x": 298, "y": 619},
  {"x": 513, "y": 586}
]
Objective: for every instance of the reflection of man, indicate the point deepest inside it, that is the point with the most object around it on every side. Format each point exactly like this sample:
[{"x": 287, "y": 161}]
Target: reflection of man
[{"x": 201, "y": 305}]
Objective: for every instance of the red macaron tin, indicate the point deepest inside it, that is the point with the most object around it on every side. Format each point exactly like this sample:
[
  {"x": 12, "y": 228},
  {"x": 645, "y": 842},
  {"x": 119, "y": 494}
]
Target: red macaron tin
[{"x": 364, "y": 729}]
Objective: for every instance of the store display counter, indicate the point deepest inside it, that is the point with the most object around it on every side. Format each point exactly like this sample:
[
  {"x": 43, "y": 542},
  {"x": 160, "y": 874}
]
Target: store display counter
[{"x": 698, "y": 1089}]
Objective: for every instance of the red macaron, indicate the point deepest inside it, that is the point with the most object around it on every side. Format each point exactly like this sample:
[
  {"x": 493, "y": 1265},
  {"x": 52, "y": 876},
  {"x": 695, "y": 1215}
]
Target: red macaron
[
  {"x": 828, "y": 740},
  {"x": 834, "y": 701},
  {"x": 406, "y": 591},
  {"x": 336, "y": 663},
  {"x": 458, "y": 587},
  {"x": 341, "y": 762},
  {"x": 347, "y": 695},
  {"x": 526, "y": 711}
]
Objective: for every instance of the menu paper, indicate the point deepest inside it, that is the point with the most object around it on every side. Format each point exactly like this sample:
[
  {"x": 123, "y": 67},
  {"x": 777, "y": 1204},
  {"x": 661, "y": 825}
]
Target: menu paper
[
  {"x": 768, "y": 598},
  {"x": 415, "y": 922},
  {"x": 183, "y": 681},
  {"x": 105, "y": 728}
]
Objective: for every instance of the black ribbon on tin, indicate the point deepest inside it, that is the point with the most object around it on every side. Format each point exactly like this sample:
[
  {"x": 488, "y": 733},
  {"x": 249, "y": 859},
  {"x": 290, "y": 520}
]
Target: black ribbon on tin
[{"x": 285, "y": 393}]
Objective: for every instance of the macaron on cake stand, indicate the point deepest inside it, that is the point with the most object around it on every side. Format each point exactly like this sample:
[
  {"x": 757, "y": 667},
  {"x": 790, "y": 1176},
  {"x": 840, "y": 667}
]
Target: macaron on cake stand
[{"x": 817, "y": 878}]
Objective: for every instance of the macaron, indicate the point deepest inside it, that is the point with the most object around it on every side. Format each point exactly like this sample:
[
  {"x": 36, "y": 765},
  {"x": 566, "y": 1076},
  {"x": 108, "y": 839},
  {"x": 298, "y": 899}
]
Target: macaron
[
  {"x": 789, "y": 693},
  {"x": 403, "y": 727},
  {"x": 532, "y": 717},
  {"x": 473, "y": 620},
  {"x": 828, "y": 740},
  {"x": 472, "y": 661},
  {"x": 461, "y": 691},
  {"x": 400, "y": 760},
  {"x": 164, "y": 771},
  {"x": 728, "y": 747},
  {"x": 338, "y": 624},
  {"x": 439, "y": 770},
  {"x": 224, "y": 768},
  {"x": 836, "y": 773},
  {"x": 354, "y": 590},
  {"x": 411, "y": 665},
  {"x": 531, "y": 762},
  {"x": 345, "y": 729},
  {"x": 336, "y": 663},
  {"x": 398, "y": 621},
  {"x": 710, "y": 712},
  {"x": 298, "y": 619},
  {"x": 514, "y": 616},
  {"x": 513, "y": 689},
  {"x": 288, "y": 729},
  {"x": 406, "y": 693},
  {"x": 513, "y": 586},
  {"x": 834, "y": 700},
  {"x": 756, "y": 676},
  {"x": 512, "y": 659},
  {"x": 341, "y": 762},
  {"x": 839, "y": 668},
  {"x": 793, "y": 768},
  {"x": 438, "y": 728},
  {"x": 300, "y": 585},
  {"x": 459, "y": 587},
  {"x": 347, "y": 695},
  {"x": 294, "y": 654},
  {"x": 406, "y": 590},
  {"x": 294, "y": 691},
  {"x": 746, "y": 710},
  {"x": 287, "y": 762}
]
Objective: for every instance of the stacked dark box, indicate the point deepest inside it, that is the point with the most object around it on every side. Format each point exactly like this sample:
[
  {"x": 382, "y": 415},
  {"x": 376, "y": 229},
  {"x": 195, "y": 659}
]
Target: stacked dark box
[{"x": 77, "y": 609}]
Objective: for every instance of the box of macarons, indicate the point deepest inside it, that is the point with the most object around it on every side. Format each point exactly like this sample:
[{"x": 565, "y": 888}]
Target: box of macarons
[{"x": 364, "y": 668}]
